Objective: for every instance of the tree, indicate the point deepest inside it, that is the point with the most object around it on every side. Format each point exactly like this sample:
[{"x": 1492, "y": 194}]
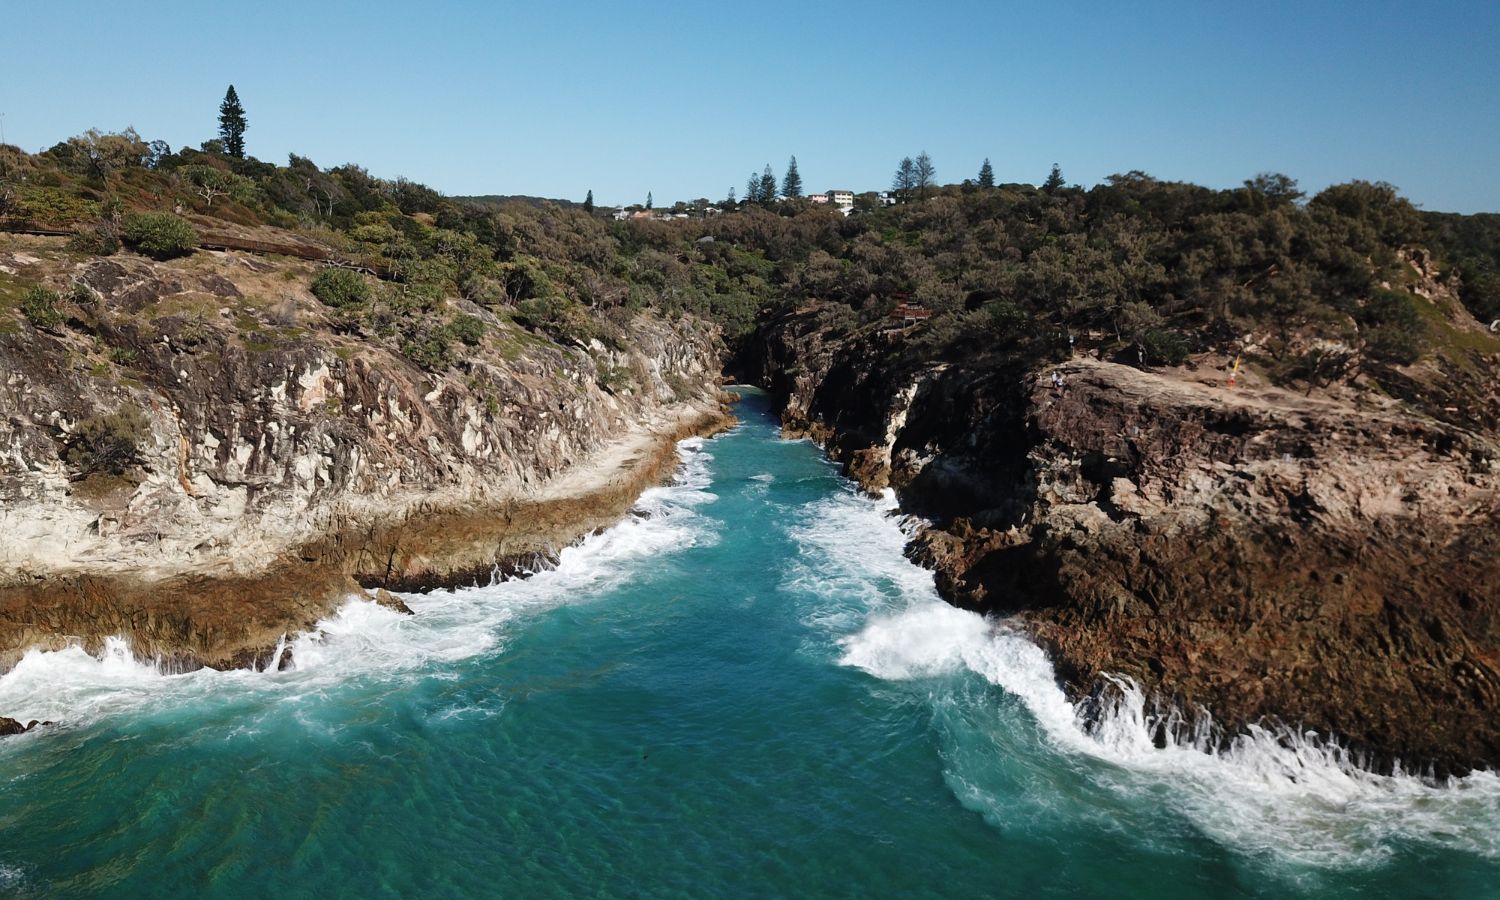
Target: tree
[
  {"x": 1054, "y": 180},
  {"x": 729, "y": 201},
  {"x": 1378, "y": 206},
  {"x": 156, "y": 151},
  {"x": 767, "y": 185},
  {"x": 791, "y": 185},
  {"x": 210, "y": 183},
  {"x": 924, "y": 173},
  {"x": 588, "y": 202},
  {"x": 648, "y": 200},
  {"x": 304, "y": 181},
  {"x": 232, "y": 124},
  {"x": 986, "y": 174},
  {"x": 752, "y": 189},
  {"x": 906, "y": 178},
  {"x": 97, "y": 154},
  {"x": 1276, "y": 188}
]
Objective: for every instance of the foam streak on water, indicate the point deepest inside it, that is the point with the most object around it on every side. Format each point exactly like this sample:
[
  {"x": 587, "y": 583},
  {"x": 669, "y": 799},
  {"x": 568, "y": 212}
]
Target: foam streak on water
[
  {"x": 1291, "y": 800},
  {"x": 750, "y": 694},
  {"x": 363, "y": 639}
]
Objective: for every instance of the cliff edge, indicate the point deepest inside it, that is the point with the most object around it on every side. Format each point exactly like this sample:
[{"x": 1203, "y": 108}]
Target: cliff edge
[
  {"x": 1322, "y": 560},
  {"x": 200, "y": 456}
]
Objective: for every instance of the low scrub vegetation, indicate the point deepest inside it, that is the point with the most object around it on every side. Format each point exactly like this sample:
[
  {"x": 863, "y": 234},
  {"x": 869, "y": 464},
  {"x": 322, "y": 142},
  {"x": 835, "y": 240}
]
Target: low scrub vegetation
[
  {"x": 39, "y": 306},
  {"x": 341, "y": 288},
  {"x": 159, "y": 235},
  {"x": 107, "y": 444},
  {"x": 1138, "y": 269}
]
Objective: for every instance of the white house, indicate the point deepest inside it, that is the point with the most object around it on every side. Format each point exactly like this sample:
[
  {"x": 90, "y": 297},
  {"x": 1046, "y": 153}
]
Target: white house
[{"x": 841, "y": 198}]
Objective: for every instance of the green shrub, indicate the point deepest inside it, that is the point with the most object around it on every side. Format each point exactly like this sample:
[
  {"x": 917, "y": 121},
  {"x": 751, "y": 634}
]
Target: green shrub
[
  {"x": 53, "y": 206},
  {"x": 559, "y": 317},
  {"x": 159, "y": 235},
  {"x": 193, "y": 332},
  {"x": 1392, "y": 308},
  {"x": 414, "y": 296},
  {"x": 612, "y": 378},
  {"x": 469, "y": 329},
  {"x": 341, "y": 288},
  {"x": 82, "y": 294},
  {"x": 1007, "y": 318},
  {"x": 1392, "y": 327},
  {"x": 429, "y": 349},
  {"x": 96, "y": 240},
  {"x": 1163, "y": 348},
  {"x": 39, "y": 305},
  {"x": 109, "y": 444},
  {"x": 524, "y": 279},
  {"x": 1395, "y": 344},
  {"x": 1481, "y": 293}
]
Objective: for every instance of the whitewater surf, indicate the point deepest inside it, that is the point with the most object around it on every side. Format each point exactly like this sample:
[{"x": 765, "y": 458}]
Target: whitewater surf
[{"x": 743, "y": 689}]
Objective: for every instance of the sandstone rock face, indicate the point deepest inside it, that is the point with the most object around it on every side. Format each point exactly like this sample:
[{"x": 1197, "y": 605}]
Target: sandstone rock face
[
  {"x": 1250, "y": 555},
  {"x": 283, "y": 464}
]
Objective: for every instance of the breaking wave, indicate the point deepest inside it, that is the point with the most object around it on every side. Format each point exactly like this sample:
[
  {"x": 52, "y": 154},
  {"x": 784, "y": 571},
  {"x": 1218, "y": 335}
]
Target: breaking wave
[
  {"x": 364, "y": 640},
  {"x": 1277, "y": 795}
]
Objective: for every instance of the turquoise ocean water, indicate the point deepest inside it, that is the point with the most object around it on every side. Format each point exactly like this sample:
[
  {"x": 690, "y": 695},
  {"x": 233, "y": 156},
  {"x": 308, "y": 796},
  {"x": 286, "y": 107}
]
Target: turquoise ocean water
[{"x": 744, "y": 690}]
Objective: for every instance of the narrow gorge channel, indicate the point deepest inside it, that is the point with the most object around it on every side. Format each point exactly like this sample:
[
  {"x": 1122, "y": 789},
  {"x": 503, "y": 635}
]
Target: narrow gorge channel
[{"x": 743, "y": 689}]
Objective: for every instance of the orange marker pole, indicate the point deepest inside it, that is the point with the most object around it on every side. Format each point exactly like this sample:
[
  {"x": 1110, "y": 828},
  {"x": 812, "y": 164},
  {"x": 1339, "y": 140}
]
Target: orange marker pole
[{"x": 1234, "y": 372}]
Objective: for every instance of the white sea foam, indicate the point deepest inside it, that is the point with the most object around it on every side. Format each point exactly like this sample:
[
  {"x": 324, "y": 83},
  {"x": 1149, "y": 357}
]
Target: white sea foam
[
  {"x": 1291, "y": 800},
  {"x": 10, "y": 878},
  {"x": 365, "y": 640}
]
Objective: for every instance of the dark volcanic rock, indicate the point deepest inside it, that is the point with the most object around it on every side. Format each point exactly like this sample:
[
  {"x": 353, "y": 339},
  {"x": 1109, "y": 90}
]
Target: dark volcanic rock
[{"x": 9, "y": 727}]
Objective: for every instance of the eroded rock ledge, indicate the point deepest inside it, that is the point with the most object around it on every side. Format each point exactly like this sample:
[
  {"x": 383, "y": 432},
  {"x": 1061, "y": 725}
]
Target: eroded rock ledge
[
  {"x": 1327, "y": 563},
  {"x": 280, "y": 464},
  {"x": 227, "y": 620}
]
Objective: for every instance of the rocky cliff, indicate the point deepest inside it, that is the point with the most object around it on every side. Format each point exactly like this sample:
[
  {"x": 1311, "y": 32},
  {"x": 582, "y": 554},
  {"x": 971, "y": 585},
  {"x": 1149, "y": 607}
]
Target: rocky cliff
[
  {"x": 199, "y": 457},
  {"x": 1324, "y": 560}
]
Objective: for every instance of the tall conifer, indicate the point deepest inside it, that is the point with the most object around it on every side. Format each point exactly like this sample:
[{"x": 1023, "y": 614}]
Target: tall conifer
[
  {"x": 791, "y": 185},
  {"x": 767, "y": 185},
  {"x": 1054, "y": 180},
  {"x": 232, "y": 124},
  {"x": 924, "y": 174},
  {"x": 905, "y": 179}
]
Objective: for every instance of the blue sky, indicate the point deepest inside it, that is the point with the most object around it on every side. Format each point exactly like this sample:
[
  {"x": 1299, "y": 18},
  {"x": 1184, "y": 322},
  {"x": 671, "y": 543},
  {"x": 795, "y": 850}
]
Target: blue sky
[{"x": 686, "y": 99}]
